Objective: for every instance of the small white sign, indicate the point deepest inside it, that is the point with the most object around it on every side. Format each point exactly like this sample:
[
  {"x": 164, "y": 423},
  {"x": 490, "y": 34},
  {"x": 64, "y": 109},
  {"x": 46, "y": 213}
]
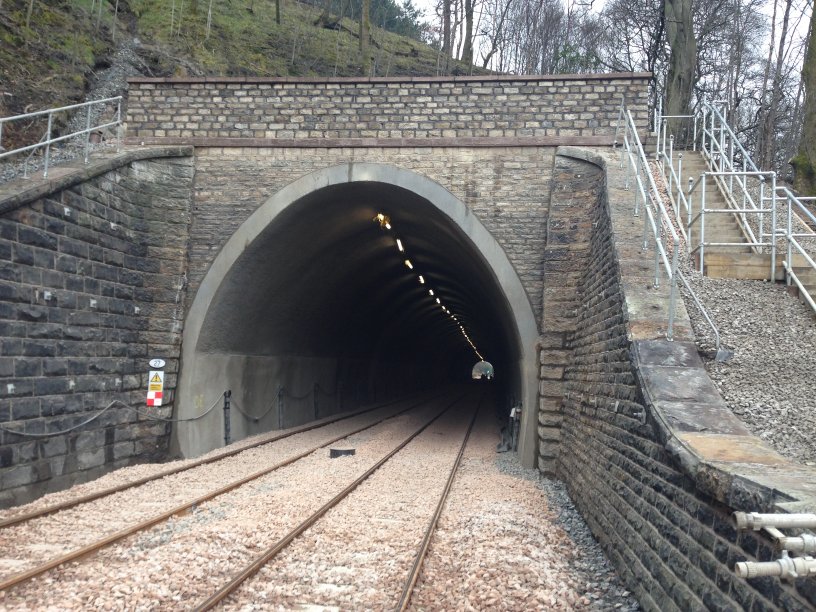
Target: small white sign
[
  {"x": 157, "y": 363},
  {"x": 155, "y": 388}
]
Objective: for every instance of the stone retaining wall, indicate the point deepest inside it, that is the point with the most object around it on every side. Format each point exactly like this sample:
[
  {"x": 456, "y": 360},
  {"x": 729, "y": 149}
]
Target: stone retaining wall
[
  {"x": 651, "y": 456},
  {"x": 484, "y": 111},
  {"x": 91, "y": 269}
]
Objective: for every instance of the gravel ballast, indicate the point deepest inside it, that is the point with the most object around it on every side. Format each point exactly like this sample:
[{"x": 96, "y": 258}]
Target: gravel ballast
[{"x": 506, "y": 537}]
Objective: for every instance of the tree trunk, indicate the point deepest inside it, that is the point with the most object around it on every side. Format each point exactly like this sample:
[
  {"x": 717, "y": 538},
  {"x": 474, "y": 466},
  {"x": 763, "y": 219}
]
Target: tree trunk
[
  {"x": 365, "y": 28},
  {"x": 767, "y": 140},
  {"x": 277, "y": 11},
  {"x": 28, "y": 13},
  {"x": 446, "y": 29},
  {"x": 804, "y": 164},
  {"x": 682, "y": 62},
  {"x": 467, "y": 51}
]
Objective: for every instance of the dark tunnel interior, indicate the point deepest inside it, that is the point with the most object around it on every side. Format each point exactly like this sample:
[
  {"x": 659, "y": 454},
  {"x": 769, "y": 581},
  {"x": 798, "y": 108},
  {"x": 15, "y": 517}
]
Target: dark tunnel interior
[{"x": 326, "y": 280}]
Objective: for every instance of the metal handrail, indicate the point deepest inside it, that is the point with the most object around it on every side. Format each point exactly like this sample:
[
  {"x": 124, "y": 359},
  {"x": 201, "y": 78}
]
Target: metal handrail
[
  {"x": 720, "y": 147},
  {"x": 47, "y": 140},
  {"x": 646, "y": 190},
  {"x": 792, "y": 241}
]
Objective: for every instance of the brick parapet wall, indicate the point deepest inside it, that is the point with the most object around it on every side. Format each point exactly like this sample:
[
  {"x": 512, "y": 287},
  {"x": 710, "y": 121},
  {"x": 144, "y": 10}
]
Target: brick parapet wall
[
  {"x": 374, "y": 112},
  {"x": 114, "y": 233},
  {"x": 642, "y": 447}
]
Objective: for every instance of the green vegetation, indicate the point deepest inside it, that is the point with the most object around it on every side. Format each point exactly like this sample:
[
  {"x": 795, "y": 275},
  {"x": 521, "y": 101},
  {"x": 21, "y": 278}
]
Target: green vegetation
[{"x": 244, "y": 39}]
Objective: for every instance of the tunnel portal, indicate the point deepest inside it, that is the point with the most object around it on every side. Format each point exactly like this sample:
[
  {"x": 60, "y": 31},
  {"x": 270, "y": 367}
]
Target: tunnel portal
[{"x": 313, "y": 305}]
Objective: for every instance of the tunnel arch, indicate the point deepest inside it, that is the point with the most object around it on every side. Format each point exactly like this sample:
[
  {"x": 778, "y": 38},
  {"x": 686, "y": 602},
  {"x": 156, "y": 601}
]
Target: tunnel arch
[{"x": 238, "y": 273}]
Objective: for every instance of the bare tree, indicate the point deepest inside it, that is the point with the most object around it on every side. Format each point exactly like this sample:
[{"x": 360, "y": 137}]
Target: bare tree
[
  {"x": 682, "y": 60},
  {"x": 765, "y": 137},
  {"x": 804, "y": 164}
]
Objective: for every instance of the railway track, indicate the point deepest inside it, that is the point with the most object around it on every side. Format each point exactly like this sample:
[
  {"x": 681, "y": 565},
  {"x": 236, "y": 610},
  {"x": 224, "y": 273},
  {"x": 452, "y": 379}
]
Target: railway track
[
  {"x": 15, "y": 518},
  {"x": 27, "y": 544},
  {"x": 251, "y": 548},
  {"x": 355, "y": 512}
]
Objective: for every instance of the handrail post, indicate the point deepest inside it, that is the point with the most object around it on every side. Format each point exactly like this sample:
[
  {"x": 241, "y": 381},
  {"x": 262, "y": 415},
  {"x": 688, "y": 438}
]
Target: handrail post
[
  {"x": 702, "y": 223},
  {"x": 280, "y": 406},
  {"x": 773, "y": 227},
  {"x": 789, "y": 239},
  {"x": 679, "y": 185},
  {"x": 617, "y": 125},
  {"x": 761, "y": 208},
  {"x": 664, "y": 129},
  {"x": 657, "y": 257},
  {"x": 646, "y": 233},
  {"x": 87, "y": 132},
  {"x": 658, "y": 127},
  {"x": 671, "y": 160},
  {"x": 722, "y": 143},
  {"x": 689, "y": 203},
  {"x": 694, "y": 142},
  {"x": 119, "y": 125},
  {"x": 47, "y": 146},
  {"x": 227, "y": 398}
]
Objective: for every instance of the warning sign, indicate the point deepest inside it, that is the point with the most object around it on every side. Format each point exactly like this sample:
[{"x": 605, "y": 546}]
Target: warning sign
[{"x": 155, "y": 387}]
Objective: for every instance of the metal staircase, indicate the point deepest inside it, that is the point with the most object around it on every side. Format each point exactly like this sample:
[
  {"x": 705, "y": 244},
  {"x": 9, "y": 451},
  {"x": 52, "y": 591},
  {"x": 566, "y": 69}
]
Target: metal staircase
[{"x": 736, "y": 221}]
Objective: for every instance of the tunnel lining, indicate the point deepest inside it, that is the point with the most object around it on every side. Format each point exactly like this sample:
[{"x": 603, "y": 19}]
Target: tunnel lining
[{"x": 495, "y": 260}]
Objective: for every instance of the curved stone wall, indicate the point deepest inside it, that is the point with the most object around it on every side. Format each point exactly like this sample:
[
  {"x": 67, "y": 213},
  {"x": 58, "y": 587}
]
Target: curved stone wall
[{"x": 652, "y": 456}]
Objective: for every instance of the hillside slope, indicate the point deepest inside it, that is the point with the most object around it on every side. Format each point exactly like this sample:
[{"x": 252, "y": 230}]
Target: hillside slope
[{"x": 78, "y": 49}]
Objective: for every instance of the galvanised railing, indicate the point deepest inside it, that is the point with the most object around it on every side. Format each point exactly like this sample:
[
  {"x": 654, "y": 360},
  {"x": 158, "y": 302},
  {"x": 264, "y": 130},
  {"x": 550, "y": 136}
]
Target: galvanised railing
[
  {"x": 48, "y": 139},
  {"x": 656, "y": 223},
  {"x": 752, "y": 196}
]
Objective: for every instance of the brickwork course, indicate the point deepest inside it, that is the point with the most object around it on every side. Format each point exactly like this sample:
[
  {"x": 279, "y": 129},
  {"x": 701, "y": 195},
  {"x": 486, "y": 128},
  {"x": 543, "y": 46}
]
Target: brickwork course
[{"x": 413, "y": 111}]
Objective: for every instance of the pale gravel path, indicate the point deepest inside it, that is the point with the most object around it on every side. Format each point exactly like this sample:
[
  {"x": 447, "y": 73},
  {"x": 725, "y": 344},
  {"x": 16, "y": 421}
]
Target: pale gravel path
[{"x": 768, "y": 384}]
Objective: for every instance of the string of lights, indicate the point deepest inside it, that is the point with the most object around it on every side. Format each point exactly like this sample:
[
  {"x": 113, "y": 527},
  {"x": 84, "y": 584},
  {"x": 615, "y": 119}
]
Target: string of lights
[{"x": 385, "y": 224}]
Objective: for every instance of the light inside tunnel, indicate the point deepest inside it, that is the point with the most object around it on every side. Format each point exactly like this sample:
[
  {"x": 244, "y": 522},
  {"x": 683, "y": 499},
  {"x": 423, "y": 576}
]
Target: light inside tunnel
[{"x": 379, "y": 218}]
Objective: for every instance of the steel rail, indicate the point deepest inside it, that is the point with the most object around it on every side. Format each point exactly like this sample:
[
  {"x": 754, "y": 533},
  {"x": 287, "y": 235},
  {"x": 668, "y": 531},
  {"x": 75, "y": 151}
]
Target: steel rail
[
  {"x": 408, "y": 589},
  {"x": 24, "y": 576},
  {"x": 281, "y": 544},
  {"x": 27, "y": 516}
]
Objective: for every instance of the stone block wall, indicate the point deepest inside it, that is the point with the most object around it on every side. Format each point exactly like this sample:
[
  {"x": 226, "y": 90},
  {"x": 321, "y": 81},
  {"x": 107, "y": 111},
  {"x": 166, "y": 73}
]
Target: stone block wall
[
  {"x": 92, "y": 267},
  {"x": 574, "y": 192},
  {"x": 666, "y": 527},
  {"x": 401, "y": 111}
]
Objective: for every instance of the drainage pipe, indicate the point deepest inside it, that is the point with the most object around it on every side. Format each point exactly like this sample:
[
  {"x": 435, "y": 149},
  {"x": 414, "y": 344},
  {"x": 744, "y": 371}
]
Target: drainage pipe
[
  {"x": 756, "y": 521},
  {"x": 786, "y": 568}
]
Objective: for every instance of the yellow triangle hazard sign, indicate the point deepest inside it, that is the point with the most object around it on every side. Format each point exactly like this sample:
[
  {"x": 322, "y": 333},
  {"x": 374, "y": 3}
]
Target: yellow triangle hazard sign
[{"x": 156, "y": 378}]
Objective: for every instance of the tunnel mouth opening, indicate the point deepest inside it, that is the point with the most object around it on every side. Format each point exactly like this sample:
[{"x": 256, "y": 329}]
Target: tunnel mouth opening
[
  {"x": 325, "y": 283},
  {"x": 314, "y": 302}
]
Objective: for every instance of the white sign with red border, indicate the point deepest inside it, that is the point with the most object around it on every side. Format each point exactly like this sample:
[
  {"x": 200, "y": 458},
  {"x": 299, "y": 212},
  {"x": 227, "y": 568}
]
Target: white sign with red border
[{"x": 155, "y": 387}]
